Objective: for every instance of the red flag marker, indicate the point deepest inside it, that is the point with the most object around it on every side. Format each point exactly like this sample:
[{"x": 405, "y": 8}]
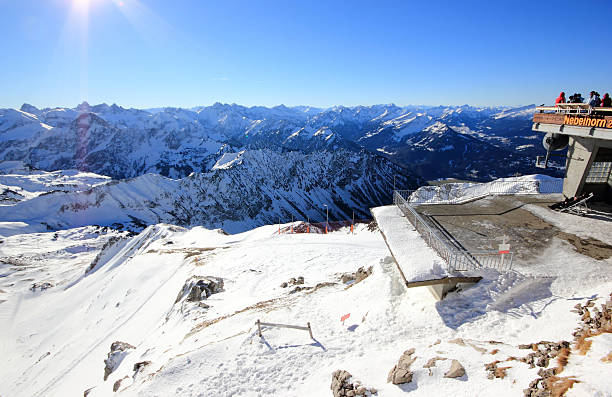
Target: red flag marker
[{"x": 345, "y": 317}]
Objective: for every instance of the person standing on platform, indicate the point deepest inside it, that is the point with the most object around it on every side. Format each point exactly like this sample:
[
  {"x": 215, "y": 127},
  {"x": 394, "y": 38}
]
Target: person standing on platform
[
  {"x": 560, "y": 98},
  {"x": 594, "y": 100},
  {"x": 606, "y": 102},
  {"x": 576, "y": 98}
]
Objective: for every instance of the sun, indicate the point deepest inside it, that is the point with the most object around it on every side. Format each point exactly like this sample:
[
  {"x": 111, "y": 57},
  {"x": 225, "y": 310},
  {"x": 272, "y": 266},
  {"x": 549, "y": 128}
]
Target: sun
[{"x": 82, "y": 4}]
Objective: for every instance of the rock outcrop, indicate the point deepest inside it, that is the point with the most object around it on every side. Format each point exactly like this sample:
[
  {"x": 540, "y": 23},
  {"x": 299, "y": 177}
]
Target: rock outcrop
[
  {"x": 293, "y": 281},
  {"x": 343, "y": 386},
  {"x": 117, "y": 384},
  {"x": 354, "y": 278},
  {"x": 197, "y": 288},
  {"x": 139, "y": 366},
  {"x": 401, "y": 373},
  {"x": 456, "y": 370},
  {"x": 593, "y": 322},
  {"x": 41, "y": 286},
  {"x": 118, "y": 351}
]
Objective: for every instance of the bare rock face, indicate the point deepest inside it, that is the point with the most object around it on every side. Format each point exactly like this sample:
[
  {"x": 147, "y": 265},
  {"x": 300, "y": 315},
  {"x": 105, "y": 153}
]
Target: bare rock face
[
  {"x": 200, "y": 288},
  {"x": 362, "y": 273},
  {"x": 357, "y": 276},
  {"x": 456, "y": 370},
  {"x": 140, "y": 366},
  {"x": 342, "y": 385},
  {"x": 293, "y": 281},
  {"x": 118, "y": 351},
  {"x": 401, "y": 373},
  {"x": 340, "y": 382},
  {"x": 41, "y": 286},
  {"x": 117, "y": 384},
  {"x": 432, "y": 362}
]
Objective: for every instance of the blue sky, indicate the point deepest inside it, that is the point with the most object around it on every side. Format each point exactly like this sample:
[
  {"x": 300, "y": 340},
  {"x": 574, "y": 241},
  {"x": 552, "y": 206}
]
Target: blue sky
[{"x": 148, "y": 53}]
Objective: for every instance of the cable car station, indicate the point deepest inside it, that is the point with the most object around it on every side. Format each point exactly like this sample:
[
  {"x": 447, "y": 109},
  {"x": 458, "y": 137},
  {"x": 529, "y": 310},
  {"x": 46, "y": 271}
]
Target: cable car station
[{"x": 587, "y": 134}]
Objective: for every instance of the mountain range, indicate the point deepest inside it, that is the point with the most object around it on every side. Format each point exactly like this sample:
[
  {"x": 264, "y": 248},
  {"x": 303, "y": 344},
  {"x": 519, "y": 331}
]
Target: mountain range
[{"x": 238, "y": 167}]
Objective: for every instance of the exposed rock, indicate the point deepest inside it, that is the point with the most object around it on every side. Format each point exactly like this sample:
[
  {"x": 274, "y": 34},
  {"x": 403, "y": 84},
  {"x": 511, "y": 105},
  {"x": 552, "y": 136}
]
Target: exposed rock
[
  {"x": 41, "y": 286},
  {"x": 293, "y": 281},
  {"x": 456, "y": 370},
  {"x": 495, "y": 371},
  {"x": 457, "y": 341},
  {"x": 593, "y": 322},
  {"x": 432, "y": 362},
  {"x": 342, "y": 386},
  {"x": 362, "y": 273},
  {"x": 357, "y": 276},
  {"x": 86, "y": 392},
  {"x": 347, "y": 278},
  {"x": 115, "y": 356},
  {"x": 340, "y": 383},
  {"x": 199, "y": 288},
  {"x": 401, "y": 373},
  {"x": 104, "y": 251},
  {"x": 140, "y": 365},
  {"x": 117, "y": 384}
]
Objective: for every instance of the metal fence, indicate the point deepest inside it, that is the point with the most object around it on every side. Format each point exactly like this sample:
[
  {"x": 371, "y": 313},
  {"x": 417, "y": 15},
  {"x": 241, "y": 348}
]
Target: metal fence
[
  {"x": 459, "y": 193},
  {"x": 455, "y": 258}
]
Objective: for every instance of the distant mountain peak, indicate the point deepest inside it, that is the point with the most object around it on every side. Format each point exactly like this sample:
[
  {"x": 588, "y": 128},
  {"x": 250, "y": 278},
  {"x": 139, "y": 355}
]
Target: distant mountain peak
[{"x": 26, "y": 107}]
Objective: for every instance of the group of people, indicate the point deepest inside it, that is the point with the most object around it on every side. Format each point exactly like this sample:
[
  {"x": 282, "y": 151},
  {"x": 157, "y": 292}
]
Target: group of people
[{"x": 594, "y": 100}]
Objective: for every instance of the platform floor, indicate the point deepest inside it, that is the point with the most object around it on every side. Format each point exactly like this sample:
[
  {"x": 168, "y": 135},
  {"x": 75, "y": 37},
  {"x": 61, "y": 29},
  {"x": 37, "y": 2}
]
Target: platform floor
[{"x": 481, "y": 224}]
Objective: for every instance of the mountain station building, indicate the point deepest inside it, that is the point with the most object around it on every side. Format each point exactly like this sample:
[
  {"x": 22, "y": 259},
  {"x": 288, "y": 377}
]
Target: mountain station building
[{"x": 587, "y": 132}]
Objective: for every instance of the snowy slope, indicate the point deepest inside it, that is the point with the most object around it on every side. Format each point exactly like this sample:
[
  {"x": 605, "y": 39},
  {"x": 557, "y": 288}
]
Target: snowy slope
[
  {"x": 20, "y": 182},
  {"x": 131, "y": 296}
]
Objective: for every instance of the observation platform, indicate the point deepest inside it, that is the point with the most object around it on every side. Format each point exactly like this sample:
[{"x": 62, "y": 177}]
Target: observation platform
[
  {"x": 418, "y": 264},
  {"x": 483, "y": 224}
]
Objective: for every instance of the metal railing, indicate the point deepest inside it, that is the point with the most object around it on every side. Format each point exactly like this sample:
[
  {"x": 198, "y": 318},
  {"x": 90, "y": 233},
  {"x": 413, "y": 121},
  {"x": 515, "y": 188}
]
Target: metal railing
[
  {"x": 460, "y": 259},
  {"x": 459, "y": 193},
  {"x": 455, "y": 258}
]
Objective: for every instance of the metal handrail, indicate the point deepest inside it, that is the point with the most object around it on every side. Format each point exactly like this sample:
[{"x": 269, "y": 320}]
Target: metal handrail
[
  {"x": 455, "y": 259},
  {"x": 459, "y": 193}
]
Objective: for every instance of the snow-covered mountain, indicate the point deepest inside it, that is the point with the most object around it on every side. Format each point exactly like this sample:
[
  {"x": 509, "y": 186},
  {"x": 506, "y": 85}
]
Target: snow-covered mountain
[
  {"x": 174, "y": 142},
  {"x": 243, "y": 190}
]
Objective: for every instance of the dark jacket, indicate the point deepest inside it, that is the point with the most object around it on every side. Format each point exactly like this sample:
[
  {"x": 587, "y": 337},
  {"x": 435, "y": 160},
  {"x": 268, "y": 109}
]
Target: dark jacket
[
  {"x": 606, "y": 102},
  {"x": 595, "y": 101}
]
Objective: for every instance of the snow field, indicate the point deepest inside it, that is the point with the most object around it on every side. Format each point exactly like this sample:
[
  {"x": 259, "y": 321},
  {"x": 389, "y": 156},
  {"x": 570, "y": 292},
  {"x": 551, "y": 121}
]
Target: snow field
[{"x": 131, "y": 295}]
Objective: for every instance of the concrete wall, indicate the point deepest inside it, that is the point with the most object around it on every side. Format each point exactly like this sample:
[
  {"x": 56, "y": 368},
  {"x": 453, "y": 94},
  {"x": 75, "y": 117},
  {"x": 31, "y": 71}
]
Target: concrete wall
[{"x": 580, "y": 156}]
